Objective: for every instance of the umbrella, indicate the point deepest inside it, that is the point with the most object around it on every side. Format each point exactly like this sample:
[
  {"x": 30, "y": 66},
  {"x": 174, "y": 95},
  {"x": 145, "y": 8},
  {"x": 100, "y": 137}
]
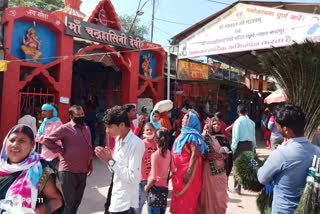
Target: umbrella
[{"x": 277, "y": 96}]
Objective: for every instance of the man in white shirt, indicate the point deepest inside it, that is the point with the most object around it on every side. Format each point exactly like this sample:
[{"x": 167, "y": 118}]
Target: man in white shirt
[{"x": 125, "y": 162}]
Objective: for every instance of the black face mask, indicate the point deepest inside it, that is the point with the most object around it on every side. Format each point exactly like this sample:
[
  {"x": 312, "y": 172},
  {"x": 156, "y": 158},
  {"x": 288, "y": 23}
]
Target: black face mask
[{"x": 79, "y": 120}]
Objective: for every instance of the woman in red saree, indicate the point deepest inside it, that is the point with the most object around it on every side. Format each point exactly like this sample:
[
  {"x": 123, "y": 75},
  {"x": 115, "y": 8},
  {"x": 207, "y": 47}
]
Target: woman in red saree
[{"x": 186, "y": 156}]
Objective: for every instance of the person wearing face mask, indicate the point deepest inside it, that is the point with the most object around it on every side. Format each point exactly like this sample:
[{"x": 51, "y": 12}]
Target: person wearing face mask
[
  {"x": 76, "y": 157},
  {"x": 150, "y": 147}
]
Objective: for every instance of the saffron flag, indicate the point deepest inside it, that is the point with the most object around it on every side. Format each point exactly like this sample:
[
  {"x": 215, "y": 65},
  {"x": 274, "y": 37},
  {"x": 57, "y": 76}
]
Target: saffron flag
[{"x": 3, "y": 65}]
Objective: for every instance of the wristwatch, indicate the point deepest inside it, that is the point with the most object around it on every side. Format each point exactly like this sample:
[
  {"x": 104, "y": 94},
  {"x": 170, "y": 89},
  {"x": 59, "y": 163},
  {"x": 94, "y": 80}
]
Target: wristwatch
[
  {"x": 111, "y": 163},
  {"x": 189, "y": 170}
]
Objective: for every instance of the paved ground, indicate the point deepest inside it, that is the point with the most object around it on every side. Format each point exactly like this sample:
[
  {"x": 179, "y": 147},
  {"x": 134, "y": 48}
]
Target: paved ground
[{"x": 98, "y": 184}]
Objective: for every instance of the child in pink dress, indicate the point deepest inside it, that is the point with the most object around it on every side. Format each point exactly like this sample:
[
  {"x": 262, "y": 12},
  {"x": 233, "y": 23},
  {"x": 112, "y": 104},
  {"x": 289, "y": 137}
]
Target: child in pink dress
[
  {"x": 150, "y": 148},
  {"x": 160, "y": 164}
]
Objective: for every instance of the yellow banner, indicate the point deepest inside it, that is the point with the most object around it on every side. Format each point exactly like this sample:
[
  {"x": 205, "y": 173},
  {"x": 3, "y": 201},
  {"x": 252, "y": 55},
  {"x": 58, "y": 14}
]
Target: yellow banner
[
  {"x": 3, "y": 66},
  {"x": 192, "y": 70}
]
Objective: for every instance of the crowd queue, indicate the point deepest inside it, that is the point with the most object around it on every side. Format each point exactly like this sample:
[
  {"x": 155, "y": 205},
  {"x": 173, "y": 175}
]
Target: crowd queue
[{"x": 193, "y": 151}]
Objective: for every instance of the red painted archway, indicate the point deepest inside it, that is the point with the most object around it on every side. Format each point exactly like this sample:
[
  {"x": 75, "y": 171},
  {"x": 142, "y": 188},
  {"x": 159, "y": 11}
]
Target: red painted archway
[{"x": 60, "y": 84}]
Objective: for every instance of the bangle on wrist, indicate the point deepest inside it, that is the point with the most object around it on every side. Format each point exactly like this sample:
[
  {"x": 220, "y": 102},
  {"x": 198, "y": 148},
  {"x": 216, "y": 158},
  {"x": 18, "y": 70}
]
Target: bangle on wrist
[{"x": 189, "y": 170}]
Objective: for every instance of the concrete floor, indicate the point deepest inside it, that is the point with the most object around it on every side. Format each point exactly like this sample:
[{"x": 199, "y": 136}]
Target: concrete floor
[{"x": 98, "y": 183}]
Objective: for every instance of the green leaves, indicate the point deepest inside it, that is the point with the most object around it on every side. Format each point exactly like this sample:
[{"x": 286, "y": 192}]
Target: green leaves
[
  {"x": 46, "y": 5},
  {"x": 296, "y": 69},
  {"x": 245, "y": 170},
  {"x": 137, "y": 29}
]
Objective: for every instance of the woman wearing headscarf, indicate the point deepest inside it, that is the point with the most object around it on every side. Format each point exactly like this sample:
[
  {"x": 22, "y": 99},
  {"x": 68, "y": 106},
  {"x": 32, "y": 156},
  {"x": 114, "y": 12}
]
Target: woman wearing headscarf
[
  {"x": 28, "y": 184},
  {"x": 216, "y": 167},
  {"x": 155, "y": 118},
  {"x": 50, "y": 123},
  {"x": 186, "y": 156}
]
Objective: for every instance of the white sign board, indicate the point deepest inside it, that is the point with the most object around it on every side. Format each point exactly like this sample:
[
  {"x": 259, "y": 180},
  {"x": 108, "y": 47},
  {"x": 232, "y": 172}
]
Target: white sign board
[
  {"x": 64, "y": 100},
  {"x": 248, "y": 27}
]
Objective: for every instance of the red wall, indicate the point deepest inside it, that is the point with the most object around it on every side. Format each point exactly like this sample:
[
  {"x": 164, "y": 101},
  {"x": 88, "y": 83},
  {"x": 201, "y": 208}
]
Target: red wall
[
  {"x": 11, "y": 83},
  {"x": 128, "y": 64},
  {"x": 154, "y": 86}
]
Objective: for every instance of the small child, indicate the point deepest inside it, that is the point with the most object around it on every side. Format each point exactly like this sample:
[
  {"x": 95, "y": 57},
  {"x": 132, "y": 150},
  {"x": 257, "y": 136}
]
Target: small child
[
  {"x": 150, "y": 147},
  {"x": 160, "y": 164}
]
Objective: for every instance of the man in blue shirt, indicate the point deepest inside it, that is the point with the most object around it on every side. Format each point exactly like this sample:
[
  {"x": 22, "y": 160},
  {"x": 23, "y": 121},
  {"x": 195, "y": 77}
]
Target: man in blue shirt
[
  {"x": 287, "y": 166},
  {"x": 243, "y": 138}
]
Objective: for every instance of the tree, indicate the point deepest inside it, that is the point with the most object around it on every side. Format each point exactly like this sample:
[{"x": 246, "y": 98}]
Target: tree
[
  {"x": 137, "y": 29},
  {"x": 45, "y": 5},
  {"x": 297, "y": 70}
]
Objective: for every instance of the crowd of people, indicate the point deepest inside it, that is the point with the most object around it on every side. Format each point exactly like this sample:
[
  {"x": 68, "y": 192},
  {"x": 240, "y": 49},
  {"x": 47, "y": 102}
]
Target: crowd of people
[{"x": 195, "y": 153}]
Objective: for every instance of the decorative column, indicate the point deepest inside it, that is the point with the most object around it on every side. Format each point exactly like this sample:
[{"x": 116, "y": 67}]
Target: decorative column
[
  {"x": 72, "y": 8},
  {"x": 74, "y": 4}
]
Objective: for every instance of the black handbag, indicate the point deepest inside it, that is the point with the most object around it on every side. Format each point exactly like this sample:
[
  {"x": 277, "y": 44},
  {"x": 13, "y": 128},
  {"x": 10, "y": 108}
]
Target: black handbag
[{"x": 157, "y": 196}]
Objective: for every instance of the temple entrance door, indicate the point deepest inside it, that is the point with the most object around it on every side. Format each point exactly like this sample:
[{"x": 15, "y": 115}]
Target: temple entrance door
[
  {"x": 93, "y": 83},
  {"x": 33, "y": 99},
  {"x": 114, "y": 89},
  {"x": 33, "y": 96},
  {"x": 96, "y": 87}
]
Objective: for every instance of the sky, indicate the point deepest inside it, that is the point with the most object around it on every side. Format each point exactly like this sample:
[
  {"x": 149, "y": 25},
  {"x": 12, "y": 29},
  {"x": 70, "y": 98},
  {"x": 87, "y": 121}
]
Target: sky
[{"x": 183, "y": 12}]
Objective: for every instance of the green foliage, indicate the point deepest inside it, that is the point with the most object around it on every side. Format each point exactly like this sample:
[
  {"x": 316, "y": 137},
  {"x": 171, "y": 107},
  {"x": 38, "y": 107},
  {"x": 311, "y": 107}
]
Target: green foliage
[
  {"x": 306, "y": 203},
  {"x": 137, "y": 28},
  {"x": 246, "y": 170},
  {"x": 45, "y": 5},
  {"x": 264, "y": 202},
  {"x": 297, "y": 70}
]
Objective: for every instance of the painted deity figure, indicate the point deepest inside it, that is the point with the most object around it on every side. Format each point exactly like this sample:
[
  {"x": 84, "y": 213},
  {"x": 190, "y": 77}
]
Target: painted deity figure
[
  {"x": 31, "y": 45},
  {"x": 146, "y": 68}
]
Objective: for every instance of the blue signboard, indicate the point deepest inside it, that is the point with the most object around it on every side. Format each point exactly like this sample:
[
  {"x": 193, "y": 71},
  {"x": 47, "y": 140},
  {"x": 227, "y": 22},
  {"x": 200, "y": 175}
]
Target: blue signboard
[
  {"x": 34, "y": 43},
  {"x": 147, "y": 65}
]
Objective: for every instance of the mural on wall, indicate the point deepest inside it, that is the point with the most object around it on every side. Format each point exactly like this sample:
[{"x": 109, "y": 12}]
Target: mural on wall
[
  {"x": 147, "y": 64},
  {"x": 33, "y": 43},
  {"x": 102, "y": 18}
]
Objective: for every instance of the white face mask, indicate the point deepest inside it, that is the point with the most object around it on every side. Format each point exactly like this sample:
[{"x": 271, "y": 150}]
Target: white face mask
[{"x": 149, "y": 137}]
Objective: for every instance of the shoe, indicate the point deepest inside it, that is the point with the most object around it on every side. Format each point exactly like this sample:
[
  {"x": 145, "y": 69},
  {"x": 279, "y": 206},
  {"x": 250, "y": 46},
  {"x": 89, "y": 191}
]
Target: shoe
[{"x": 234, "y": 191}]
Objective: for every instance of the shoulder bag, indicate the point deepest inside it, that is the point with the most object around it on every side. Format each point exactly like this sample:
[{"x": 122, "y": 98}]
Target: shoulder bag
[{"x": 157, "y": 196}]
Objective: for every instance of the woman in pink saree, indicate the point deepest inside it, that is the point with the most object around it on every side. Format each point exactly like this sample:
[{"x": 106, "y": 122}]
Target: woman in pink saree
[
  {"x": 186, "y": 156},
  {"x": 216, "y": 166}
]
